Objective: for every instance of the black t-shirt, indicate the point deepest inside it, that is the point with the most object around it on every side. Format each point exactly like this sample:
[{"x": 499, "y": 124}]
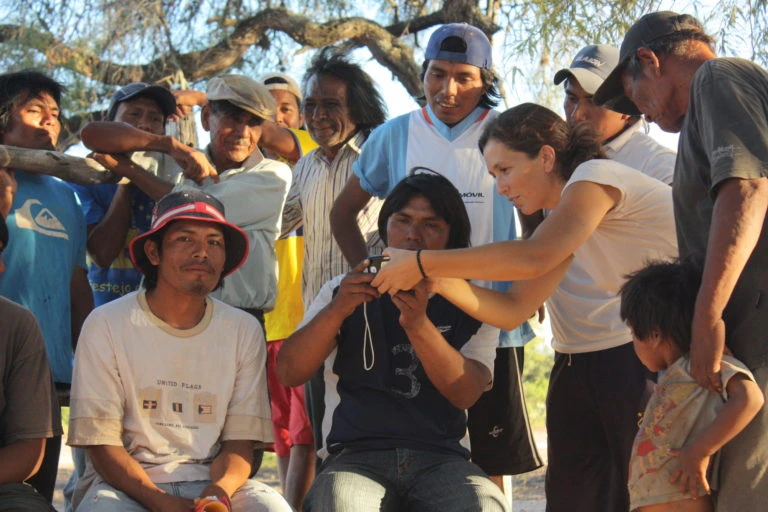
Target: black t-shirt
[{"x": 724, "y": 136}]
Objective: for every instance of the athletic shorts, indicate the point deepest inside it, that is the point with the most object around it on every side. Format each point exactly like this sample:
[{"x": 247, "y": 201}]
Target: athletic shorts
[
  {"x": 500, "y": 434},
  {"x": 289, "y": 415}
]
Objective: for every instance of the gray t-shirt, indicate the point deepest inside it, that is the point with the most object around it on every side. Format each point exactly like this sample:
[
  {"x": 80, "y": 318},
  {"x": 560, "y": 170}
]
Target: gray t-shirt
[
  {"x": 725, "y": 135},
  {"x": 28, "y": 405}
]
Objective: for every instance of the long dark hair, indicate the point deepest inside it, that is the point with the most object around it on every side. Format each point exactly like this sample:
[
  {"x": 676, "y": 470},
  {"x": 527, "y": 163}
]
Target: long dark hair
[
  {"x": 528, "y": 127},
  {"x": 445, "y": 200},
  {"x": 366, "y": 106}
]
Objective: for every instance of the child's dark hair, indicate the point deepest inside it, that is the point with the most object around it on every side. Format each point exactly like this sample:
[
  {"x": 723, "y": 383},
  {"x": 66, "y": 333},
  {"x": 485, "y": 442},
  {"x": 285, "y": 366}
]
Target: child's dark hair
[{"x": 660, "y": 298}]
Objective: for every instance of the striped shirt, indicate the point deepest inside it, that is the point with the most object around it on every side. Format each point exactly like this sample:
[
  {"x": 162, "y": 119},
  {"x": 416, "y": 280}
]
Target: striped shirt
[{"x": 317, "y": 182}]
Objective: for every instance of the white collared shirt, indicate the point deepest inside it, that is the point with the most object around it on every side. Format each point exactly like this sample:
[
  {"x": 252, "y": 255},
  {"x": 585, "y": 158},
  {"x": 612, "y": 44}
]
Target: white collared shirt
[{"x": 636, "y": 149}]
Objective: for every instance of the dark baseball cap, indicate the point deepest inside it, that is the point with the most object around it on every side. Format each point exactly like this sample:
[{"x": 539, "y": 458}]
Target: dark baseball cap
[
  {"x": 192, "y": 205},
  {"x": 159, "y": 94},
  {"x": 648, "y": 29},
  {"x": 590, "y": 67},
  {"x": 477, "y": 48}
]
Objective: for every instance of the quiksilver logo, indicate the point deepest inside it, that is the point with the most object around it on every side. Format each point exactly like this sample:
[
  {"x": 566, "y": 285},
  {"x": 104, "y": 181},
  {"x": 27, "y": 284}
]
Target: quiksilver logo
[{"x": 42, "y": 220}]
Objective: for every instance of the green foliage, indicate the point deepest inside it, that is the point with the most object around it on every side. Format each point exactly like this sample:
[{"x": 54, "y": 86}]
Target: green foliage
[{"x": 538, "y": 364}]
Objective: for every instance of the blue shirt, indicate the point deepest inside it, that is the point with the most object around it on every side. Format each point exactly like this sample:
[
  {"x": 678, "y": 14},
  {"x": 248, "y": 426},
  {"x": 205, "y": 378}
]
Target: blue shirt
[
  {"x": 121, "y": 277},
  {"x": 46, "y": 244}
]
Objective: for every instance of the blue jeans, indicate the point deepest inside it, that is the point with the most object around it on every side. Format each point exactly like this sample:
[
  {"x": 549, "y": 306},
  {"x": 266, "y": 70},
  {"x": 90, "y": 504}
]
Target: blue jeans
[
  {"x": 402, "y": 479},
  {"x": 78, "y": 460},
  {"x": 253, "y": 496}
]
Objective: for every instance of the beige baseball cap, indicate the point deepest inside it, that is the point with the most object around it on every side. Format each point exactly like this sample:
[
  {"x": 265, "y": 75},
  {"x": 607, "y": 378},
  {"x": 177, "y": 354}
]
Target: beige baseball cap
[
  {"x": 242, "y": 92},
  {"x": 281, "y": 81}
]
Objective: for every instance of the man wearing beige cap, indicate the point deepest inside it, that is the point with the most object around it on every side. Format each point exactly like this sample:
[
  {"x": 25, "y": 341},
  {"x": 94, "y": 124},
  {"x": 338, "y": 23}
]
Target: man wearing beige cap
[{"x": 252, "y": 188}]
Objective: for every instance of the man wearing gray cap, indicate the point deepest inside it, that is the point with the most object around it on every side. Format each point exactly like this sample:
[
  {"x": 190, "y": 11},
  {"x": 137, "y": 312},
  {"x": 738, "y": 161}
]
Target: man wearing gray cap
[
  {"x": 233, "y": 170},
  {"x": 624, "y": 136},
  {"x": 461, "y": 91},
  {"x": 668, "y": 70}
]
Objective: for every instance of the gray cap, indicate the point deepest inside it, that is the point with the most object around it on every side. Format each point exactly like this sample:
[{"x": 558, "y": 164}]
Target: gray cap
[
  {"x": 648, "y": 29},
  {"x": 281, "y": 82},
  {"x": 590, "y": 67},
  {"x": 242, "y": 92},
  {"x": 159, "y": 94}
]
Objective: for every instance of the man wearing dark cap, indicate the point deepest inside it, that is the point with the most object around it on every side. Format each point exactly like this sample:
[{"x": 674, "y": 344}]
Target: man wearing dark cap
[
  {"x": 669, "y": 72},
  {"x": 461, "y": 91},
  {"x": 115, "y": 214},
  {"x": 163, "y": 430},
  {"x": 252, "y": 187},
  {"x": 29, "y": 409},
  {"x": 624, "y": 136}
]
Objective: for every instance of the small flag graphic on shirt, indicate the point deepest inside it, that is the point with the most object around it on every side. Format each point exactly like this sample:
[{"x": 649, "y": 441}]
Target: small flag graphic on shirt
[
  {"x": 177, "y": 407},
  {"x": 204, "y": 409},
  {"x": 150, "y": 404}
]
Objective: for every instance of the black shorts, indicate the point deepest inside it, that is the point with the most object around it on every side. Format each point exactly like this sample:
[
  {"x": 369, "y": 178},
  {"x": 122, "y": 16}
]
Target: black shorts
[{"x": 499, "y": 431}]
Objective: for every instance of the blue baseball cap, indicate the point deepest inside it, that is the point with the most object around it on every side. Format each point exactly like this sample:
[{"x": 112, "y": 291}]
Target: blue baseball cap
[
  {"x": 162, "y": 96},
  {"x": 476, "y": 49}
]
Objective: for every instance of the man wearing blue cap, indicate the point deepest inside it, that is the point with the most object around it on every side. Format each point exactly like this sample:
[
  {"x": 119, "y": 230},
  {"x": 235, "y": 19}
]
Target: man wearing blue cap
[
  {"x": 668, "y": 71},
  {"x": 461, "y": 90},
  {"x": 117, "y": 213}
]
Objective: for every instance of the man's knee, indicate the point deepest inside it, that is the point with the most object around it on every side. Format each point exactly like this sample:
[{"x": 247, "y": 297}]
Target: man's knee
[{"x": 255, "y": 496}]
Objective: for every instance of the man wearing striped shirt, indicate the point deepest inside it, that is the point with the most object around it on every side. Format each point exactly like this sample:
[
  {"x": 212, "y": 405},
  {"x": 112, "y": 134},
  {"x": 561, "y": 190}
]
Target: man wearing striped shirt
[{"x": 341, "y": 107}]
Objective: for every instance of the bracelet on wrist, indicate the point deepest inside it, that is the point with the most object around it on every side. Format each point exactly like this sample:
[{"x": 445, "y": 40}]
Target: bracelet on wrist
[{"x": 421, "y": 267}]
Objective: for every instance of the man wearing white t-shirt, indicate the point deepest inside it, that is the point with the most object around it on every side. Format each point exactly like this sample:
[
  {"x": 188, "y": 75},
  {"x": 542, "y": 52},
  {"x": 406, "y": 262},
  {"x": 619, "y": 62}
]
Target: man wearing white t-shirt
[{"x": 168, "y": 408}]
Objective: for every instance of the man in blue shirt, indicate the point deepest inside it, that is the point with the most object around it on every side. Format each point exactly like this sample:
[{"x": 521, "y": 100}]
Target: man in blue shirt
[
  {"x": 116, "y": 214},
  {"x": 46, "y": 262}
]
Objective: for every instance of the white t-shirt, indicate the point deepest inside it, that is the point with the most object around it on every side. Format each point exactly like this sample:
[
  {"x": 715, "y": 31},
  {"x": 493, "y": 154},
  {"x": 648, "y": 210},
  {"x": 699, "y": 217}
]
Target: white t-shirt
[
  {"x": 640, "y": 228},
  {"x": 169, "y": 396},
  {"x": 635, "y": 148}
]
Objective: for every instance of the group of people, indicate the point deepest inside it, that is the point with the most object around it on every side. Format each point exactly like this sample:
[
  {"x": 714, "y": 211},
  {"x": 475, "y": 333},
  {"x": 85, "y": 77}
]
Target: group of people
[{"x": 226, "y": 279}]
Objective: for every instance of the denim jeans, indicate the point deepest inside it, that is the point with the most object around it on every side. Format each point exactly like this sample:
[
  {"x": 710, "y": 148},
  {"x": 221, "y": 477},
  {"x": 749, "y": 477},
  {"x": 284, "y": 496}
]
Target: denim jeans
[
  {"x": 253, "y": 496},
  {"x": 78, "y": 460},
  {"x": 401, "y": 479}
]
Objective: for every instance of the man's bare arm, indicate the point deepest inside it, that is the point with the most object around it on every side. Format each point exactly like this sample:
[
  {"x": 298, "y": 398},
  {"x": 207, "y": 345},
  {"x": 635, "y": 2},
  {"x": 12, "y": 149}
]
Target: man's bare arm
[
  {"x": 81, "y": 300},
  {"x": 230, "y": 469},
  {"x": 113, "y": 137},
  {"x": 279, "y": 140},
  {"x": 123, "y": 472},
  {"x": 107, "y": 237},
  {"x": 344, "y": 221},
  {"x": 21, "y": 460},
  {"x": 737, "y": 221}
]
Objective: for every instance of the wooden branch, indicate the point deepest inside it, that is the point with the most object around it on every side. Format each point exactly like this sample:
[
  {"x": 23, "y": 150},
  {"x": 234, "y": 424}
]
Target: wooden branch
[
  {"x": 383, "y": 42},
  {"x": 83, "y": 171}
]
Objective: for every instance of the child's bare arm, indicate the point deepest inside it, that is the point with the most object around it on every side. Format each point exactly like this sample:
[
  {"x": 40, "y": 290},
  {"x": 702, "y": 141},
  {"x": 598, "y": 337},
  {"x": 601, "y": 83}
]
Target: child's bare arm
[{"x": 744, "y": 401}]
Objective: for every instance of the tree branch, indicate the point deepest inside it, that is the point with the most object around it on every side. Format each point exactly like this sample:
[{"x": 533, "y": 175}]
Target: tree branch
[{"x": 384, "y": 43}]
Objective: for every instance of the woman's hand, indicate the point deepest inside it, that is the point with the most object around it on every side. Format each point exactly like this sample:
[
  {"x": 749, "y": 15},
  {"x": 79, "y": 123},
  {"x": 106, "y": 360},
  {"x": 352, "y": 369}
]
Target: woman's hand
[{"x": 400, "y": 273}]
